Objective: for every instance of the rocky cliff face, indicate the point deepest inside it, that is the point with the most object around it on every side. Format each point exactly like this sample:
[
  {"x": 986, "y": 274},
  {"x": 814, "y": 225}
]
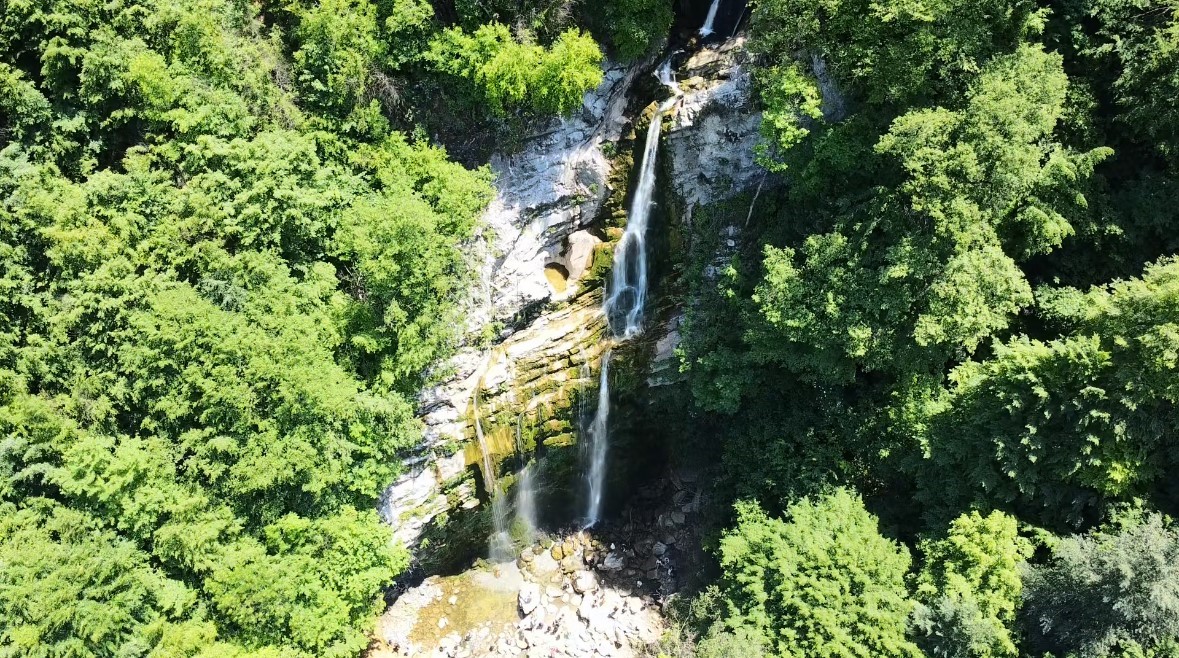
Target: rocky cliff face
[{"x": 547, "y": 244}]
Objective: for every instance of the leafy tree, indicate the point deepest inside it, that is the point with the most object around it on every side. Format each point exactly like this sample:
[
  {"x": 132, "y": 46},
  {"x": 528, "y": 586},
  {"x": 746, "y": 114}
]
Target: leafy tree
[
  {"x": 221, "y": 285},
  {"x": 69, "y": 588},
  {"x": 634, "y": 26},
  {"x": 338, "y": 45},
  {"x": 910, "y": 280},
  {"x": 511, "y": 74},
  {"x": 1054, "y": 426},
  {"x": 970, "y": 587},
  {"x": 821, "y": 583},
  {"x": 1110, "y": 592},
  {"x": 896, "y": 53},
  {"x": 1130, "y": 48}
]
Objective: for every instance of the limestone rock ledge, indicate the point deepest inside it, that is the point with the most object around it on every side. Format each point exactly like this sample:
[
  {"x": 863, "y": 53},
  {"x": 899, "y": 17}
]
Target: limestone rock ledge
[
  {"x": 710, "y": 144},
  {"x": 534, "y": 250},
  {"x": 538, "y": 307}
]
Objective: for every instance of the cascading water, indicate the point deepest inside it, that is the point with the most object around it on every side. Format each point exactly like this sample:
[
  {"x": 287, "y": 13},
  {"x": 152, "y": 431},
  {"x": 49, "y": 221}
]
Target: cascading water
[
  {"x": 597, "y": 442},
  {"x": 624, "y": 305},
  {"x": 499, "y": 545},
  {"x": 710, "y": 19},
  {"x": 525, "y": 522},
  {"x": 628, "y": 289}
]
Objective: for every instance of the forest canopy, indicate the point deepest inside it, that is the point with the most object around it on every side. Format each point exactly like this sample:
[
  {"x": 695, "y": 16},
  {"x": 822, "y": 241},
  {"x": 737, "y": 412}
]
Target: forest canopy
[
  {"x": 938, "y": 375},
  {"x": 224, "y": 274},
  {"x": 959, "y": 304}
]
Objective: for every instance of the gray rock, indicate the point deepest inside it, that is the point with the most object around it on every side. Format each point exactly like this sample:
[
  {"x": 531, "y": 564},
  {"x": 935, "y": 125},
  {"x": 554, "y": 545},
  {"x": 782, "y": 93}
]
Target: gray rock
[
  {"x": 528, "y": 599},
  {"x": 612, "y": 562},
  {"x": 585, "y": 582}
]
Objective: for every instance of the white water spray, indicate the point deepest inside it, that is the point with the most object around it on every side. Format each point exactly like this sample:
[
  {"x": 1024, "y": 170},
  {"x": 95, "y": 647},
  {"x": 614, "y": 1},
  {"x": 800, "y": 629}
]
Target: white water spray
[
  {"x": 526, "y": 505},
  {"x": 710, "y": 19},
  {"x": 597, "y": 443},
  {"x": 499, "y": 545}
]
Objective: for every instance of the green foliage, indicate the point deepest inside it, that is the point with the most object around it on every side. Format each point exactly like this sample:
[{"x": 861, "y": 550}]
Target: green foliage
[
  {"x": 1133, "y": 47},
  {"x": 821, "y": 583},
  {"x": 338, "y": 44},
  {"x": 72, "y": 588},
  {"x": 223, "y": 277},
  {"x": 875, "y": 324},
  {"x": 407, "y": 27},
  {"x": 1114, "y": 592},
  {"x": 970, "y": 588},
  {"x": 790, "y": 98},
  {"x": 1059, "y": 424},
  {"x": 884, "y": 292},
  {"x": 897, "y": 52},
  {"x": 512, "y": 75},
  {"x": 634, "y": 26}
]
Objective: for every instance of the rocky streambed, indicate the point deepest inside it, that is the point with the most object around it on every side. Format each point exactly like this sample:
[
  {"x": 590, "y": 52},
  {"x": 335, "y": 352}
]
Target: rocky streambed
[{"x": 585, "y": 593}]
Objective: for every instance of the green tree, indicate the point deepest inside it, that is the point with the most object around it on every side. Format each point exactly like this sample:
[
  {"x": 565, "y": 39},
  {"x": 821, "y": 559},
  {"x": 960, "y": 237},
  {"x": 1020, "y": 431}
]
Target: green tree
[
  {"x": 970, "y": 588},
  {"x": 513, "y": 75},
  {"x": 896, "y": 53},
  {"x": 1130, "y": 49},
  {"x": 823, "y": 582},
  {"x": 912, "y": 279},
  {"x": 1110, "y": 592},
  {"x": 209, "y": 328},
  {"x": 633, "y": 26},
  {"x": 1056, "y": 426}
]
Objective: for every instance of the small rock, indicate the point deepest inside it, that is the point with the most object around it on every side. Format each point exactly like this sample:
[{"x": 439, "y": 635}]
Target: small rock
[
  {"x": 442, "y": 622},
  {"x": 452, "y": 600},
  {"x": 558, "y": 552},
  {"x": 584, "y": 582},
  {"x": 613, "y": 562},
  {"x": 528, "y": 598},
  {"x": 570, "y": 564},
  {"x": 678, "y": 518},
  {"x": 659, "y": 548}
]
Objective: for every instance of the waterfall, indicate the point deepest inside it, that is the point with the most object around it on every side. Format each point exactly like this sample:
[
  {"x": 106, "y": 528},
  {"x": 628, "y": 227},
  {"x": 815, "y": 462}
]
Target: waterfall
[
  {"x": 710, "y": 19},
  {"x": 667, "y": 78},
  {"x": 628, "y": 289},
  {"x": 628, "y": 293},
  {"x": 526, "y": 505},
  {"x": 499, "y": 545},
  {"x": 597, "y": 442}
]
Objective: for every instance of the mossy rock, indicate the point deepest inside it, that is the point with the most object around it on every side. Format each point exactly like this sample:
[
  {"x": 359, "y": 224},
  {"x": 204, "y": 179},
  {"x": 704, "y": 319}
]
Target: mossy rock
[
  {"x": 563, "y": 440},
  {"x": 556, "y": 425}
]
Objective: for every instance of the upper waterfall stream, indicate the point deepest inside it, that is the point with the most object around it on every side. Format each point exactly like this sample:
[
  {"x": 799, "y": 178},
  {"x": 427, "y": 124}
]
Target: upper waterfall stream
[{"x": 710, "y": 20}]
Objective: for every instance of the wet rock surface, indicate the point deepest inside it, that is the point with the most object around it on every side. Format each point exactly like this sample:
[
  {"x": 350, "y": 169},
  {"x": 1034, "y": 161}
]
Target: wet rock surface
[{"x": 596, "y": 592}]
